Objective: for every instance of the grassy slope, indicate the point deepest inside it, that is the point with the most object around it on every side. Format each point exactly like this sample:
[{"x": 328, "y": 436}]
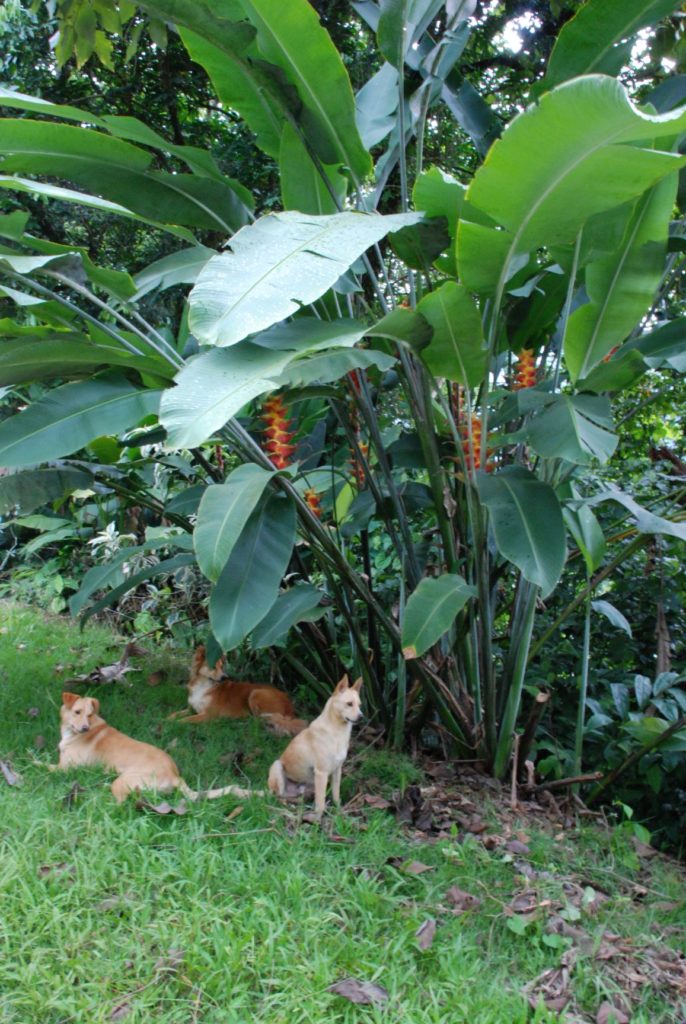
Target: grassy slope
[{"x": 108, "y": 913}]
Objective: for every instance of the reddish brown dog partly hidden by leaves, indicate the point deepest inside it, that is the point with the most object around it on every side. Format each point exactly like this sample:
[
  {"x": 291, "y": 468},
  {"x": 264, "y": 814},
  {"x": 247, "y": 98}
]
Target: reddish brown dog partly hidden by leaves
[
  {"x": 319, "y": 750},
  {"x": 87, "y": 739},
  {"x": 212, "y": 694}
]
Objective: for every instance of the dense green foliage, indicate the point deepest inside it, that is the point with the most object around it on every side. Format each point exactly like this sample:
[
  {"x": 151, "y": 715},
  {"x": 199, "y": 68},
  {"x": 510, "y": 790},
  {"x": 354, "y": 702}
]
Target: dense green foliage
[{"x": 470, "y": 298}]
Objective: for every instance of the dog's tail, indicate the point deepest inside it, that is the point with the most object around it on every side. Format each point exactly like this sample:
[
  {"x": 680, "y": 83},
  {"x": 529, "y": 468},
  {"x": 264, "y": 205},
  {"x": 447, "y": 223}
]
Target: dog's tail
[
  {"x": 277, "y": 779},
  {"x": 282, "y": 725},
  {"x": 212, "y": 794}
]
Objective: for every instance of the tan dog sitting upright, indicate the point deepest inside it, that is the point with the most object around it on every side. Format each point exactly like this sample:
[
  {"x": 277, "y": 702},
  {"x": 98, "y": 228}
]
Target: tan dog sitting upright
[
  {"x": 87, "y": 739},
  {"x": 320, "y": 750},
  {"x": 212, "y": 694}
]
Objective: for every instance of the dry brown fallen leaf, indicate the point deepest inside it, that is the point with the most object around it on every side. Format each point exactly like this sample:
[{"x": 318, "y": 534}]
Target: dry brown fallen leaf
[
  {"x": 609, "y": 1014},
  {"x": 515, "y": 846},
  {"x": 359, "y": 991},
  {"x": 155, "y": 678},
  {"x": 460, "y": 900},
  {"x": 425, "y": 933},
  {"x": 377, "y": 802}
]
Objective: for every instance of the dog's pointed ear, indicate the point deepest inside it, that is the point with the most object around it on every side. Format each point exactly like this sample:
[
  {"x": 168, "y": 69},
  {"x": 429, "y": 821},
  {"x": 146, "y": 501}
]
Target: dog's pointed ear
[
  {"x": 68, "y": 699},
  {"x": 342, "y": 684},
  {"x": 219, "y": 664},
  {"x": 357, "y": 685},
  {"x": 96, "y": 705}
]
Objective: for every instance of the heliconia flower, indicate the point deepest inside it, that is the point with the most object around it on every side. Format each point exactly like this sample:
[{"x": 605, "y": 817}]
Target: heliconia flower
[
  {"x": 357, "y": 466},
  {"x": 525, "y": 374},
  {"x": 314, "y": 501},
  {"x": 354, "y": 378},
  {"x": 278, "y": 432},
  {"x": 472, "y": 452}
]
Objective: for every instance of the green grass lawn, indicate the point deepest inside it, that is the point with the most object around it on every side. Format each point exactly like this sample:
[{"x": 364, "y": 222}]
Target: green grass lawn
[{"x": 239, "y": 913}]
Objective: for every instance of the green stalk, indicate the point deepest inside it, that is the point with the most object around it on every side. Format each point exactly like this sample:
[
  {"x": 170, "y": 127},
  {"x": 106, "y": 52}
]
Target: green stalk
[
  {"x": 372, "y": 423},
  {"x": 42, "y": 290},
  {"x": 583, "y": 687},
  {"x": 437, "y": 480},
  {"x": 401, "y": 689},
  {"x": 170, "y": 355},
  {"x": 303, "y": 671},
  {"x": 516, "y": 671}
]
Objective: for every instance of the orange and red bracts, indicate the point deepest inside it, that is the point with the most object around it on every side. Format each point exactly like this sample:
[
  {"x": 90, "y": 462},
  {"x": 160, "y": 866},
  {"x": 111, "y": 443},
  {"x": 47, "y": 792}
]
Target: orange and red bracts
[
  {"x": 472, "y": 453},
  {"x": 525, "y": 374},
  {"x": 357, "y": 466},
  {"x": 278, "y": 432},
  {"x": 313, "y": 501}
]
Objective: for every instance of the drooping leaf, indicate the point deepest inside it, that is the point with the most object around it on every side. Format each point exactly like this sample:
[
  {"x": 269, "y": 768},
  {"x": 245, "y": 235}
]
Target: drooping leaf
[
  {"x": 431, "y": 611},
  {"x": 456, "y": 349},
  {"x": 307, "y": 334},
  {"x": 116, "y": 282},
  {"x": 277, "y": 264},
  {"x": 223, "y": 512},
  {"x": 419, "y": 245},
  {"x": 213, "y": 387},
  {"x": 612, "y": 614},
  {"x": 181, "y": 267},
  {"x": 120, "y": 172},
  {"x": 600, "y": 36},
  {"x": 666, "y": 343},
  {"x": 70, "y": 416},
  {"x": 376, "y": 104},
  {"x": 298, "y": 604},
  {"x": 584, "y": 528},
  {"x": 621, "y": 287},
  {"x": 527, "y": 523},
  {"x": 69, "y": 195},
  {"x": 401, "y": 23},
  {"x": 292, "y": 38},
  {"x": 32, "y": 488},
  {"x": 577, "y": 428},
  {"x": 249, "y": 582},
  {"x": 581, "y": 133},
  {"x": 241, "y": 83},
  {"x": 331, "y": 366},
  {"x": 24, "y": 360},
  {"x": 646, "y": 522},
  {"x": 303, "y": 187}
]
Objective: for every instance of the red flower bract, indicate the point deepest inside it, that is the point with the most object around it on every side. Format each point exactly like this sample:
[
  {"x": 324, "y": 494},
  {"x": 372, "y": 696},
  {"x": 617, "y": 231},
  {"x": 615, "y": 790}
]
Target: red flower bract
[
  {"x": 278, "y": 432},
  {"x": 525, "y": 374}
]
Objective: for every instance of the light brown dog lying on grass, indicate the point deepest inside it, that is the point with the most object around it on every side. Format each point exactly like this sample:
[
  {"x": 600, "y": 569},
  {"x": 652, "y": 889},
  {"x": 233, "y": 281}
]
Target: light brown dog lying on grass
[
  {"x": 87, "y": 739},
  {"x": 320, "y": 750},
  {"x": 212, "y": 694}
]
